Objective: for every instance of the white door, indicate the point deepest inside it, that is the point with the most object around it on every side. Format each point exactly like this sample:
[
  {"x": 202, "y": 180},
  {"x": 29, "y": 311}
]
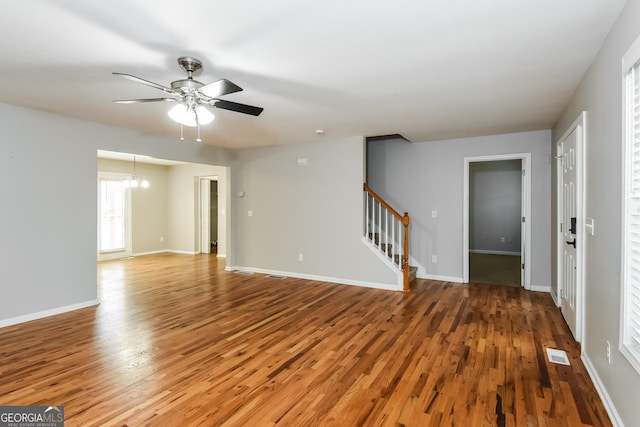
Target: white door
[
  {"x": 523, "y": 228},
  {"x": 570, "y": 222}
]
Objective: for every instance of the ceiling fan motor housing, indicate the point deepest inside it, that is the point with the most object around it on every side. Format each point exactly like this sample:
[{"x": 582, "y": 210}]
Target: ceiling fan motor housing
[
  {"x": 189, "y": 64},
  {"x": 186, "y": 85}
]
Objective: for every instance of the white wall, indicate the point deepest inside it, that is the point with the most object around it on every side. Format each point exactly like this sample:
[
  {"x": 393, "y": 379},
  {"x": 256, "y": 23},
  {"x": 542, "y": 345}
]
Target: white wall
[
  {"x": 48, "y": 213},
  {"x": 495, "y": 193},
  {"x": 314, "y": 210},
  {"x": 600, "y": 94},
  {"x": 426, "y": 176}
]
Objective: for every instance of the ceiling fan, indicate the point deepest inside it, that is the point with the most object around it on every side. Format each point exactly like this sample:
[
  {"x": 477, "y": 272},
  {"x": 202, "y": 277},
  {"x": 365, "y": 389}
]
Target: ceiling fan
[{"x": 193, "y": 97}]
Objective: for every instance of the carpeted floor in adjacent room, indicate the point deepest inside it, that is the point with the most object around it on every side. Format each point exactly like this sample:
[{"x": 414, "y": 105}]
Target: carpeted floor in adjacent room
[{"x": 495, "y": 269}]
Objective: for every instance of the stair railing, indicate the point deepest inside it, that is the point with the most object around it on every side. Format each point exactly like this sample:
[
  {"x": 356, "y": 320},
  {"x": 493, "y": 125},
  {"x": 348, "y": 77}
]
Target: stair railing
[{"x": 386, "y": 228}]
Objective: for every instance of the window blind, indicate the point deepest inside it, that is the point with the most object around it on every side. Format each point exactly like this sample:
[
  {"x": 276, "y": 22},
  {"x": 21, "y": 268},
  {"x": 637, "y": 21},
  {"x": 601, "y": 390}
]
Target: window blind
[{"x": 631, "y": 286}]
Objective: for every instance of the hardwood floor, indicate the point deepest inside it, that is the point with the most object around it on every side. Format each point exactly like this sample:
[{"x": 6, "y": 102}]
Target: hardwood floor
[{"x": 177, "y": 340}]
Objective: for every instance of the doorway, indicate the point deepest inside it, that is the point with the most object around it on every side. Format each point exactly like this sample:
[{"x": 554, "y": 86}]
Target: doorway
[
  {"x": 495, "y": 212},
  {"x": 495, "y": 225}
]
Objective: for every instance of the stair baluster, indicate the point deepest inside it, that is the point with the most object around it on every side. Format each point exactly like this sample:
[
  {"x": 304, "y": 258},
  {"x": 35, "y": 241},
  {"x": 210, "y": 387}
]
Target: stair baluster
[{"x": 380, "y": 229}]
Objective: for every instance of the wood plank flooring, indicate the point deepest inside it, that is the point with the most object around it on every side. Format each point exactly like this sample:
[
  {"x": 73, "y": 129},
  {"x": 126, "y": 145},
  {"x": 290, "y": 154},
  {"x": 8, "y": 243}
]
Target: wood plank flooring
[{"x": 177, "y": 340}]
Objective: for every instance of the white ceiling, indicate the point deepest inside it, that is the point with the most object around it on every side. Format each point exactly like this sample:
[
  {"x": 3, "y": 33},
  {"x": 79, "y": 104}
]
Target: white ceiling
[{"x": 426, "y": 69}]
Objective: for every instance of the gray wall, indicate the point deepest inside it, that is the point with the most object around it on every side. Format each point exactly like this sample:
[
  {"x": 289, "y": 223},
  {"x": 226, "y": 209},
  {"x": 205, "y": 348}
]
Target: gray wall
[
  {"x": 425, "y": 176},
  {"x": 314, "y": 210},
  {"x": 48, "y": 170},
  {"x": 600, "y": 94},
  {"x": 495, "y": 200},
  {"x": 184, "y": 211}
]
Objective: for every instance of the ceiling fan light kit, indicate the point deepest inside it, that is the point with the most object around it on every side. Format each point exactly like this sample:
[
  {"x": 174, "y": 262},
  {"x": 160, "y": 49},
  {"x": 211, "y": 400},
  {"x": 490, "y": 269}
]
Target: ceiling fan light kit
[
  {"x": 193, "y": 97},
  {"x": 187, "y": 115}
]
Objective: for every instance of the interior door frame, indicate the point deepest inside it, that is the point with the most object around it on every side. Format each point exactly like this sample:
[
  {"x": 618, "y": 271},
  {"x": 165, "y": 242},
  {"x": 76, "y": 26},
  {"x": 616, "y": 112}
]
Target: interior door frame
[
  {"x": 204, "y": 216},
  {"x": 526, "y": 208},
  {"x": 580, "y": 126}
]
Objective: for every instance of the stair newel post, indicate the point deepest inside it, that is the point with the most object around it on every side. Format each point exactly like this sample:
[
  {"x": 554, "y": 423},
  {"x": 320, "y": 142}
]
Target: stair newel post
[{"x": 405, "y": 253}]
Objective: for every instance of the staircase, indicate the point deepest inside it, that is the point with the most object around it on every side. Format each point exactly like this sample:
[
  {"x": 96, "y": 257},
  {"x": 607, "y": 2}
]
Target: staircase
[{"x": 387, "y": 232}]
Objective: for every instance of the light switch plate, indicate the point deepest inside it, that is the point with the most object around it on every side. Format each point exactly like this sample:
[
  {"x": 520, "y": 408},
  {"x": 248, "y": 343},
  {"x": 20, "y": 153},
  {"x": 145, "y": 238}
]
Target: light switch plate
[{"x": 589, "y": 226}]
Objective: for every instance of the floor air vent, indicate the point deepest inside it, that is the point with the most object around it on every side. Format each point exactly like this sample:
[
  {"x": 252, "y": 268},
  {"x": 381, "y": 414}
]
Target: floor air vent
[
  {"x": 275, "y": 276},
  {"x": 246, "y": 273},
  {"x": 557, "y": 356}
]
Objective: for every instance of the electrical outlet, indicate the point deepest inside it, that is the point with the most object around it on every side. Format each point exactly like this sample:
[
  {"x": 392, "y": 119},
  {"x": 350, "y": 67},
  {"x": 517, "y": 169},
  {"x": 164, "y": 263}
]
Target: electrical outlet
[
  {"x": 300, "y": 257},
  {"x": 434, "y": 259},
  {"x": 161, "y": 239},
  {"x": 502, "y": 240},
  {"x": 609, "y": 352}
]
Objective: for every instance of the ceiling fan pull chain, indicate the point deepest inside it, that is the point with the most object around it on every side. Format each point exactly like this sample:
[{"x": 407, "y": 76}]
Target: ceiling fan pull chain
[{"x": 181, "y": 133}]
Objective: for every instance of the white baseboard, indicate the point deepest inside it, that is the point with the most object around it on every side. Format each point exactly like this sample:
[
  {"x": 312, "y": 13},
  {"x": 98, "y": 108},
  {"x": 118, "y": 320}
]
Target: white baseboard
[
  {"x": 537, "y": 288},
  {"x": 602, "y": 391},
  {"x": 162, "y": 251},
  {"x": 554, "y": 297},
  {"x": 489, "y": 252},
  {"x": 47, "y": 313},
  {"x": 441, "y": 278},
  {"x": 174, "y": 251},
  {"x": 337, "y": 280}
]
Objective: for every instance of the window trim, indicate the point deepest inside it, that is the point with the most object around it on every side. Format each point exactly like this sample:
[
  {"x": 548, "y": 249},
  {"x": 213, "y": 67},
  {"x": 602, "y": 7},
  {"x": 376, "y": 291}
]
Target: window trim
[{"x": 630, "y": 60}]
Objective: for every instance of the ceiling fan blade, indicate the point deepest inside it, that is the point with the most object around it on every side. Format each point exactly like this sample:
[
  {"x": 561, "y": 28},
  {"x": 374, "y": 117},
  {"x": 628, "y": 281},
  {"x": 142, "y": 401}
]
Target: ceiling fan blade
[
  {"x": 240, "y": 108},
  {"x": 137, "y": 101},
  {"x": 219, "y": 88},
  {"x": 146, "y": 82}
]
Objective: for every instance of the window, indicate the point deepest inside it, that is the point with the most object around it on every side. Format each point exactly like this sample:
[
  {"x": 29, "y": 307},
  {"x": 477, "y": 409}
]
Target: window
[
  {"x": 112, "y": 215},
  {"x": 630, "y": 325}
]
